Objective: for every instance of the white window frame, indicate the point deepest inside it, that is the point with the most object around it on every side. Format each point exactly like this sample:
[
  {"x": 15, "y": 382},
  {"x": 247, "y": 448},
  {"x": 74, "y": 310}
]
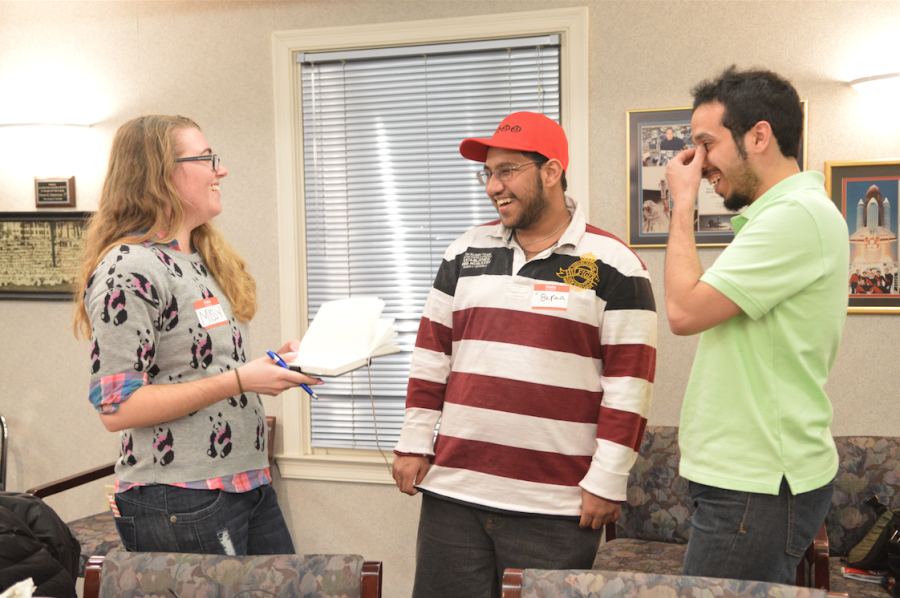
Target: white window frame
[{"x": 299, "y": 458}]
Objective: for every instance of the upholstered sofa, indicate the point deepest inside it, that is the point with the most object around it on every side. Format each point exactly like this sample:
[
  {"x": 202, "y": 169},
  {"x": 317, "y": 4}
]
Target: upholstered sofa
[
  {"x": 537, "y": 583},
  {"x": 122, "y": 574},
  {"x": 652, "y": 533}
]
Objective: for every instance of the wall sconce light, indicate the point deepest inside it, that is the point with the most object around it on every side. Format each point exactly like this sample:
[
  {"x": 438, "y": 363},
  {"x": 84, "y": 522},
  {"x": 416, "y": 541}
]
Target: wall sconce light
[
  {"x": 44, "y": 125},
  {"x": 878, "y": 83}
]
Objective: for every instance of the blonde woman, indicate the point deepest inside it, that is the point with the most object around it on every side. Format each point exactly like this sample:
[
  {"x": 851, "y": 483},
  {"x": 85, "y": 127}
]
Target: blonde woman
[{"x": 166, "y": 301}]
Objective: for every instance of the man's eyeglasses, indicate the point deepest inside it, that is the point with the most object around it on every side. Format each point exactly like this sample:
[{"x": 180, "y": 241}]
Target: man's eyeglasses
[
  {"x": 503, "y": 174},
  {"x": 214, "y": 158}
]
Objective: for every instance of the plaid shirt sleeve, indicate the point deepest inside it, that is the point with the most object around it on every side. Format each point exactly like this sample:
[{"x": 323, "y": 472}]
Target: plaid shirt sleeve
[{"x": 107, "y": 392}]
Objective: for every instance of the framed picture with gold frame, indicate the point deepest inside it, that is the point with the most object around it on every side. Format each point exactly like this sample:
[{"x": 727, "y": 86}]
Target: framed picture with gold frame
[
  {"x": 653, "y": 138},
  {"x": 40, "y": 253},
  {"x": 866, "y": 193}
]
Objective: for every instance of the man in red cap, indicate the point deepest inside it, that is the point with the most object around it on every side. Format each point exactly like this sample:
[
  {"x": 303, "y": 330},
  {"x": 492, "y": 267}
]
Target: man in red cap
[{"x": 536, "y": 351}]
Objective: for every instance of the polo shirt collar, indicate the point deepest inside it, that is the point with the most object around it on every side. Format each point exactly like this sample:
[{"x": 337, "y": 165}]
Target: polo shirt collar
[{"x": 800, "y": 181}]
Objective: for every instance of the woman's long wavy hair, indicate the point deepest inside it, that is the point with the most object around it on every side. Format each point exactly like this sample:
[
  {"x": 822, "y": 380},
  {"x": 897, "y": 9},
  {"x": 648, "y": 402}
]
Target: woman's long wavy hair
[{"x": 139, "y": 194}]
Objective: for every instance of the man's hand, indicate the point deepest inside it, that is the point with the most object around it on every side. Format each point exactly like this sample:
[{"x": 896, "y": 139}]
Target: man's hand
[
  {"x": 410, "y": 470},
  {"x": 595, "y": 511},
  {"x": 684, "y": 173}
]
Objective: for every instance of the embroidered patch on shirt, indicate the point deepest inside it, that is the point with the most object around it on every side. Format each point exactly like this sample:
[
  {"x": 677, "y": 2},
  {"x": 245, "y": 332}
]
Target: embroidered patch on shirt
[
  {"x": 583, "y": 274},
  {"x": 210, "y": 313},
  {"x": 476, "y": 260},
  {"x": 550, "y": 296}
]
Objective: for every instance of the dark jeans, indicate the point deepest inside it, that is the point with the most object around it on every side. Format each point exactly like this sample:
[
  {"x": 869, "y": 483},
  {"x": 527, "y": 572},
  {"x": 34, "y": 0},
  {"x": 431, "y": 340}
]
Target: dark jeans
[
  {"x": 160, "y": 518},
  {"x": 463, "y": 550},
  {"x": 757, "y": 537}
]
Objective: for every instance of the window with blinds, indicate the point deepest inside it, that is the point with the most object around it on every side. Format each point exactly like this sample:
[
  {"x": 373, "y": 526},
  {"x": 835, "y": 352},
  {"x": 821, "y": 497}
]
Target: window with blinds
[{"x": 386, "y": 191}]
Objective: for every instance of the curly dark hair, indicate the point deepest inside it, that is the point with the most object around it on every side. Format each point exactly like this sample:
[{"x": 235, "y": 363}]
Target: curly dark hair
[{"x": 752, "y": 96}]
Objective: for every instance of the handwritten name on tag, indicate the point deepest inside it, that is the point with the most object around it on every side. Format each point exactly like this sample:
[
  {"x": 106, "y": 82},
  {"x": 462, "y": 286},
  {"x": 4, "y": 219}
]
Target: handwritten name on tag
[
  {"x": 210, "y": 313},
  {"x": 550, "y": 296}
]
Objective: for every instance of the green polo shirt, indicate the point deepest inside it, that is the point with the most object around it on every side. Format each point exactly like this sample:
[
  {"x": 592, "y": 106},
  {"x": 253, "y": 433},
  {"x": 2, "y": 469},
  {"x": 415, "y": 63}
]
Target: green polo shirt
[{"x": 755, "y": 409}]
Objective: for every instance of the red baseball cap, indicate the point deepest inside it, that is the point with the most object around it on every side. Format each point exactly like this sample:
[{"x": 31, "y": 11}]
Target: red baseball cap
[{"x": 525, "y": 132}]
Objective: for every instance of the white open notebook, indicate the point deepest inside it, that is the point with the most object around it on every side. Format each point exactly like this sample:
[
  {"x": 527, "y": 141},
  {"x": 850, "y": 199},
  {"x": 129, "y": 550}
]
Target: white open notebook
[{"x": 344, "y": 335}]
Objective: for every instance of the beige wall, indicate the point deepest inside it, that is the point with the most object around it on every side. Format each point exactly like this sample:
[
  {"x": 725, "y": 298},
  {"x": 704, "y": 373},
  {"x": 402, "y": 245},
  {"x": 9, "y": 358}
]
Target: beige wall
[{"x": 212, "y": 61}]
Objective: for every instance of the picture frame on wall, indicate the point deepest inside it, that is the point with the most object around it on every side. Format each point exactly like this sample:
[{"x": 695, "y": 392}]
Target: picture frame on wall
[
  {"x": 40, "y": 253},
  {"x": 654, "y": 137},
  {"x": 866, "y": 193}
]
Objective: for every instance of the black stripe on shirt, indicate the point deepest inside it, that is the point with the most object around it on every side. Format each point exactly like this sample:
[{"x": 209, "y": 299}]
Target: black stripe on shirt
[
  {"x": 618, "y": 290},
  {"x": 474, "y": 261}
]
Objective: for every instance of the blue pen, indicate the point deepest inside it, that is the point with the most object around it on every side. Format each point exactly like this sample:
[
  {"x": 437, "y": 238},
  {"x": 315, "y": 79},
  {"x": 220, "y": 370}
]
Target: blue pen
[{"x": 281, "y": 362}]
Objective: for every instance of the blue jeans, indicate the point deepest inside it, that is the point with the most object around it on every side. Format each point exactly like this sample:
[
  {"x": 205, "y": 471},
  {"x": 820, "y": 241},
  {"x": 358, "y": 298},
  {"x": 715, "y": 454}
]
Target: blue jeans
[
  {"x": 161, "y": 518},
  {"x": 751, "y": 536},
  {"x": 462, "y": 550}
]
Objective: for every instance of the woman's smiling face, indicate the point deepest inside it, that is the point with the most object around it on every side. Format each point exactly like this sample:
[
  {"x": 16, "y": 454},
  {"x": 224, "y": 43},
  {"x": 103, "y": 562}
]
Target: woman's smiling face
[{"x": 196, "y": 181}]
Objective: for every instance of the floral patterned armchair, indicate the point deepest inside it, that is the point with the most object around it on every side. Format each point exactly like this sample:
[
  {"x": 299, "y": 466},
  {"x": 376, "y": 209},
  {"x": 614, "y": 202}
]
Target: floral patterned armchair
[
  {"x": 652, "y": 533},
  {"x": 537, "y": 583},
  {"x": 123, "y": 574}
]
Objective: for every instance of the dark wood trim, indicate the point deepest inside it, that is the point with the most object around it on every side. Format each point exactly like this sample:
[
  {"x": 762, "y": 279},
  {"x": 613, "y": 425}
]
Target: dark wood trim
[
  {"x": 820, "y": 561},
  {"x": 512, "y": 584},
  {"x": 370, "y": 580},
  {"x": 610, "y": 532},
  {"x": 73, "y": 480},
  {"x": 92, "y": 576}
]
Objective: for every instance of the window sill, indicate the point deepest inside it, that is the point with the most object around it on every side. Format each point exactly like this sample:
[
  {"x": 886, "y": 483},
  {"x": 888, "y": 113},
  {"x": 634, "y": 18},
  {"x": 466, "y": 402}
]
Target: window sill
[{"x": 365, "y": 467}]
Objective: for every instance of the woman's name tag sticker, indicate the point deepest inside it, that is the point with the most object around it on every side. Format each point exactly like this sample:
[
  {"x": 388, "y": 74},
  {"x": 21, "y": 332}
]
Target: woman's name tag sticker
[
  {"x": 550, "y": 296},
  {"x": 210, "y": 313}
]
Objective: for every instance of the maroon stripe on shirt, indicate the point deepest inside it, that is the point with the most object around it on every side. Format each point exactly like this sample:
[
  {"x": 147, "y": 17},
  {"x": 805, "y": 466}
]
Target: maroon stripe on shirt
[
  {"x": 434, "y": 337},
  {"x": 621, "y": 427},
  {"x": 631, "y": 361},
  {"x": 425, "y": 395},
  {"x": 527, "y": 398},
  {"x": 526, "y": 329},
  {"x": 510, "y": 462}
]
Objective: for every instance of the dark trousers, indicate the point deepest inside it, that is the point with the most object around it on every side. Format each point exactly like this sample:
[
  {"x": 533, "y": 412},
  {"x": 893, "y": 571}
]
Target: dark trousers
[{"x": 462, "y": 550}]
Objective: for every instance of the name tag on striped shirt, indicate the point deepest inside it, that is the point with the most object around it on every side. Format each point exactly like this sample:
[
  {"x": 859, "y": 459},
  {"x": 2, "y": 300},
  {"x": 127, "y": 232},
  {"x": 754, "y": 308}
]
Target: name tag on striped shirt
[{"x": 550, "y": 296}]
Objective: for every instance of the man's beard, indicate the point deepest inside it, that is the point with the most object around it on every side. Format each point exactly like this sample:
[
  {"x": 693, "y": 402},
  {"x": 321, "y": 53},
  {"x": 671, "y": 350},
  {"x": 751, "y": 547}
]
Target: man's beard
[
  {"x": 534, "y": 205},
  {"x": 736, "y": 201},
  {"x": 745, "y": 183}
]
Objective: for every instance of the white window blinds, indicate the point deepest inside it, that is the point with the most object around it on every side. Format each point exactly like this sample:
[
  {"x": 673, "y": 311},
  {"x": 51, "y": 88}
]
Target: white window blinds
[{"x": 386, "y": 191}]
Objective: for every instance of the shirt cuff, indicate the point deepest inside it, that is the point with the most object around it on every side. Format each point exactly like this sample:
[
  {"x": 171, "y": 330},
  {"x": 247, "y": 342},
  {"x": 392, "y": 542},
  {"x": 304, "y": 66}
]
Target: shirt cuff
[
  {"x": 107, "y": 392},
  {"x": 401, "y": 454}
]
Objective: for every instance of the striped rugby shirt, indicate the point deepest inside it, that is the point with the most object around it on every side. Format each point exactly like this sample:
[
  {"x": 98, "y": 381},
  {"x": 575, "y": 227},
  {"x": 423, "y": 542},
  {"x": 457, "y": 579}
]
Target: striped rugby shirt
[{"x": 534, "y": 403}]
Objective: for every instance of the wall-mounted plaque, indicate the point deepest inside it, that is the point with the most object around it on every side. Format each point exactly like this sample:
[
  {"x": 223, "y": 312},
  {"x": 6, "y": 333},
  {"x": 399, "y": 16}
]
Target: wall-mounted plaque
[{"x": 54, "y": 193}]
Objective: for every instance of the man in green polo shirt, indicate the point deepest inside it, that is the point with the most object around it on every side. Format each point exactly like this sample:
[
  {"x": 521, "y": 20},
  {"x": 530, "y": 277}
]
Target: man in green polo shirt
[{"x": 755, "y": 439}]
